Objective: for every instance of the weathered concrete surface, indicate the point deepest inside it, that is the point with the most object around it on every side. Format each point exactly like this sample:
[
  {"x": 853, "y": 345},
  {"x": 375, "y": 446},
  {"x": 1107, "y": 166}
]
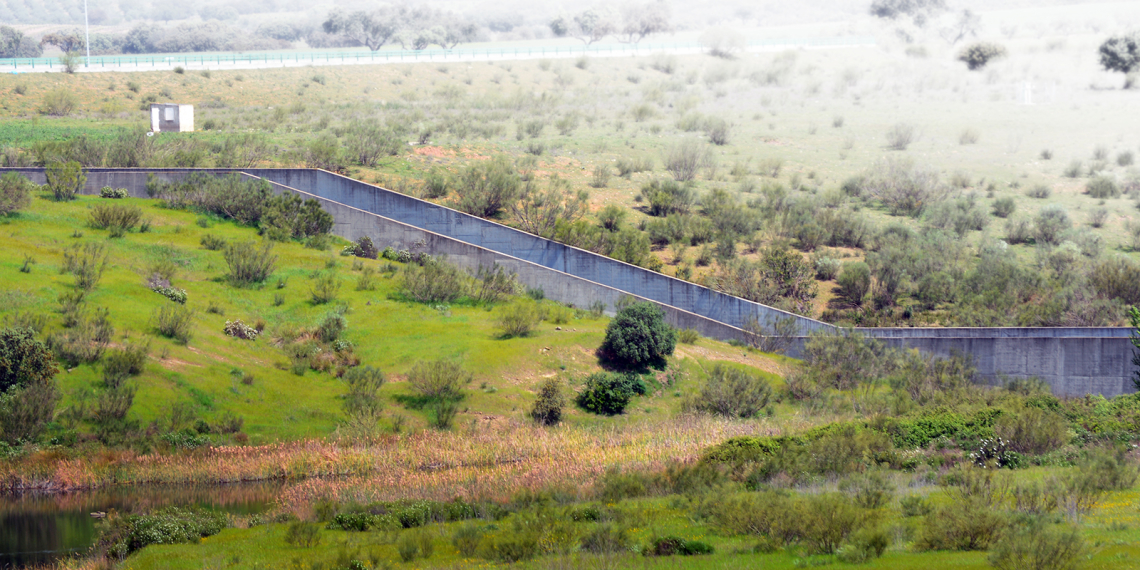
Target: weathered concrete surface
[{"x": 1073, "y": 361}]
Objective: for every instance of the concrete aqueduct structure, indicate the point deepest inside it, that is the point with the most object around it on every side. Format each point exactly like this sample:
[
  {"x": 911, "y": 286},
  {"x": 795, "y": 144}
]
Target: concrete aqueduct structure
[{"x": 1074, "y": 361}]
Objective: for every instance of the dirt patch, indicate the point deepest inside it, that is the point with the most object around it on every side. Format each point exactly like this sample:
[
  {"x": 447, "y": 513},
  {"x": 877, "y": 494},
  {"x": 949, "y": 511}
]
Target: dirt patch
[
  {"x": 738, "y": 356},
  {"x": 433, "y": 151},
  {"x": 175, "y": 365}
]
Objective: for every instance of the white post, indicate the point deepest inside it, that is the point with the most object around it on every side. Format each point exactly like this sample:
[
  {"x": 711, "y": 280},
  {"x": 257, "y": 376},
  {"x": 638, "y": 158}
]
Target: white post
[{"x": 87, "y": 33}]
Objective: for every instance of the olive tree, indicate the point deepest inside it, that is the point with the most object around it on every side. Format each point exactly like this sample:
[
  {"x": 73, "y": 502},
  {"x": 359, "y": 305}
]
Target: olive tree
[{"x": 638, "y": 335}]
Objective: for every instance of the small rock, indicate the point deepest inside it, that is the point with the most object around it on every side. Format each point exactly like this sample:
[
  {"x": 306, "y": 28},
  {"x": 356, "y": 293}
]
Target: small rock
[{"x": 557, "y": 328}]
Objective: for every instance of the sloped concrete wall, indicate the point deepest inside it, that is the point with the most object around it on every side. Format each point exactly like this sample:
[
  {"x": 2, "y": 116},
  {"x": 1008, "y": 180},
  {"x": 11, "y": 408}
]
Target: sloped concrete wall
[{"x": 1074, "y": 361}]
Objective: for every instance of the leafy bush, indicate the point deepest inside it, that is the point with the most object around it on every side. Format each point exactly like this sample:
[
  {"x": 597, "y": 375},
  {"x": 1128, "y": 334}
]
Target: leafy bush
[
  {"x": 733, "y": 393},
  {"x": 303, "y": 534},
  {"x": 120, "y": 364},
  {"x": 466, "y": 539},
  {"x": 485, "y": 188},
  {"x": 121, "y": 535},
  {"x": 666, "y": 197},
  {"x": 900, "y": 136},
  {"x": 606, "y": 538},
  {"x": 864, "y": 545},
  {"x": 683, "y": 159},
  {"x": 1039, "y": 545},
  {"x": 1121, "y": 53},
  {"x": 15, "y": 193},
  {"x": 903, "y": 187},
  {"x": 174, "y": 321},
  {"x": 238, "y": 329},
  {"x": 438, "y": 379},
  {"x": 609, "y": 393},
  {"x": 65, "y": 179},
  {"x": 688, "y": 336},
  {"x": 324, "y": 288},
  {"x": 964, "y": 524},
  {"x": 27, "y": 386},
  {"x": 977, "y": 55},
  {"x": 113, "y": 193},
  {"x": 1003, "y": 207},
  {"x": 435, "y": 281},
  {"x": 289, "y": 216},
  {"x": 1102, "y": 187},
  {"x": 548, "y": 406},
  {"x": 119, "y": 218},
  {"x": 1050, "y": 223},
  {"x": 674, "y": 546},
  {"x": 870, "y": 489},
  {"x": 1032, "y": 430},
  {"x": 249, "y": 263},
  {"x": 212, "y": 242},
  {"x": 59, "y": 103},
  {"x": 854, "y": 282},
  {"x": 86, "y": 263},
  {"x": 638, "y": 335}
]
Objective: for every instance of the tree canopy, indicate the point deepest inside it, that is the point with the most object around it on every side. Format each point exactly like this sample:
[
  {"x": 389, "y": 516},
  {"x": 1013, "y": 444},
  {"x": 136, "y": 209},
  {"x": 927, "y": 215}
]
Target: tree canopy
[{"x": 1121, "y": 53}]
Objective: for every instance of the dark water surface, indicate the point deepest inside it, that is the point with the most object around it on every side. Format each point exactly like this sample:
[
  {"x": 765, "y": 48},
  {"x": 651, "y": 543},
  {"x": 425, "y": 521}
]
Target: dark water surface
[{"x": 37, "y": 528}]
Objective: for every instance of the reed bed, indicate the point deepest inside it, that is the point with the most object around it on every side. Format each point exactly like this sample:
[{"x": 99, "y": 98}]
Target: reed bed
[{"x": 485, "y": 463}]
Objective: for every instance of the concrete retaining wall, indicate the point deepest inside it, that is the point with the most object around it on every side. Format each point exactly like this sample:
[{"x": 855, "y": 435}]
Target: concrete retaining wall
[{"x": 1073, "y": 361}]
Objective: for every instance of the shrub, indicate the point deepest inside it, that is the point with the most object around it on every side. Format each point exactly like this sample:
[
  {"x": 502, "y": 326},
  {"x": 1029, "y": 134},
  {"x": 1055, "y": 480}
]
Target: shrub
[
  {"x": 548, "y": 406},
  {"x": 666, "y": 197},
  {"x": 1003, "y": 207},
  {"x": 605, "y": 539},
  {"x": 363, "y": 402},
  {"x": 118, "y": 365},
  {"x": 718, "y": 131},
  {"x": 683, "y": 159},
  {"x": 1018, "y": 230},
  {"x": 903, "y": 187},
  {"x": 733, "y": 393},
  {"x": 915, "y": 506},
  {"x": 238, "y": 329},
  {"x": 1073, "y": 170},
  {"x": 609, "y": 393},
  {"x": 1039, "y": 191},
  {"x": 1102, "y": 187},
  {"x": 600, "y": 177},
  {"x": 854, "y": 282},
  {"x": 1117, "y": 277},
  {"x": 977, "y": 55},
  {"x": 968, "y": 136},
  {"x": 303, "y": 534},
  {"x": 1032, "y": 430},
  {"x": 119, "y": 218},
  {"x": 113, "y": 193},
  {"x": 15, "y": 193},
  {"x": 1121, "y": 53},
  {"x": 249, "y": 263},
  {"x": 688, "y": 336},
  {"x": 517, "y": 318},
  {"x": 58, "y": 103},
  {"x": 826, "y": 268},
  {"x": 438, "y": 379},
  {"x": 1050, "y": 223},
  {"x": 174, "y": 321},
  {"x": 289, "y": 216},
  {"x": 674, "y": 546},
  {"x": 65, "y": 179},
  {"x": 86, "y": 263},
  {"x": 1039, "y": 545},
  {"x": 435, "y": 281},
  {"x": 900, "y": 136},
  {"x": 324, "y": 288},
  {"x": 86, "y": 336},
  {"x": 964, "y": 524},
  {"x": 638, "y": 335},
  {"x": 466, "y": 539},
  {"x": 122, "y": 535},
  {"x": 485, "y": 188},
  {"x": 27, "y": 386},
  {"x": 212, "y": 242}
]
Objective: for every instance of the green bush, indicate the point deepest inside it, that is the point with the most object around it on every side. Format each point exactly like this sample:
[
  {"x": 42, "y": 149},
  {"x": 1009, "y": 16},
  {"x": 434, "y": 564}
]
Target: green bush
[
  {"x": 605, "y": 539},
  {"x": 485, "y": 188},
  {"x": 466, "y": 539},
  {"x": 119, "y": 218},
  {"x": 59, "y": 103},
  {"x": 609, "y": 393},
  {"x": 733, "y": 393},
  {"x": 324, "y": 288},
  {"x": 1039, "y": 545},
  {"x": 119, "y": 536},
  {"x": 854, "y": 282},
  {"x": 249, "y": 263},
  {"x": 174, "y": 321},
  {"x": 964, "y": 524},
  {"x": 977, "y": 55},
  {"x": 212, "y": 242},
  {"x": 638, "y": 336},
  {"x": 120, "y": 364},
  {"x": 27, "y": 387},
  {"x": 289, "y": 216},
  {"x": 438, "y": 379},
  {"x": 1032, "y": 430},
  {"x": 303, "y": 534},
  {"x": 1102, "y": 187},
  {"x": 435, "y": 281},
  {"x": 871, "y": 489},
  {"x": 517, "y": 318},
  {"x": 548, "y": 406},
  {"x": 674, "y": 546},
  {"x": 65, "y": 179},
  {"x": 1050, "y": 223},
  {"x": 915, "y": 506},
  {"x": 15, "y": 193},
  {"x": 864, "y": 545},
  {"x": 688, "y": 336},
  {"x": 1003, "y": 207}
]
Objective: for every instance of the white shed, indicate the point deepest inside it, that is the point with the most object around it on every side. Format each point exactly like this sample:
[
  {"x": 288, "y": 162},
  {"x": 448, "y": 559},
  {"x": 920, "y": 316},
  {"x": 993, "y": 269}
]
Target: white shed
[{"x": 171, "y": 118}]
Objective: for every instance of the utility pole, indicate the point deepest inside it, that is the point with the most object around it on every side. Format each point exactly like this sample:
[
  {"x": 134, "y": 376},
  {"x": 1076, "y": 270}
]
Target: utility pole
[{"x": 87, "y": 34}]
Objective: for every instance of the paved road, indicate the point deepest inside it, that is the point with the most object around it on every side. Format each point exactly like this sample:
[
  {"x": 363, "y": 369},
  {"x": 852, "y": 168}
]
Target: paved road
[{"x": 265, "y": 60}]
